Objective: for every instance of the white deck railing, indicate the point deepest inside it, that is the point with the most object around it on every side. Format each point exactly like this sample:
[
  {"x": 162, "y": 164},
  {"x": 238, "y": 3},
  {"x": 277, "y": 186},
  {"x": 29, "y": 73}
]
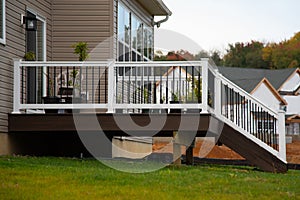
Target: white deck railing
[
  {"x": 111, "y": 85},
  {"x": 136, "y": 87}
]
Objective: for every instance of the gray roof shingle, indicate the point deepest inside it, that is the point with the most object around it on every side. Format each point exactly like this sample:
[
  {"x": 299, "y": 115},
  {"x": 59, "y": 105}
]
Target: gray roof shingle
[{"x": 248, "y": 78}]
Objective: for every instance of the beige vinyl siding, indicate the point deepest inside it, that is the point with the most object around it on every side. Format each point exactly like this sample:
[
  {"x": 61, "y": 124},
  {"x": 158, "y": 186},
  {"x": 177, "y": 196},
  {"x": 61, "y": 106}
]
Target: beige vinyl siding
[
  {"x": 76, "y": 20},
  {"x": 15, "y": 48}
]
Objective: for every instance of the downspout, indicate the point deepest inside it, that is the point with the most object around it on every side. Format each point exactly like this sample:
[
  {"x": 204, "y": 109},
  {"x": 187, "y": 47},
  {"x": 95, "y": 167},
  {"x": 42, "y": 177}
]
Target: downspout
[{"x": 158, "y": 23}]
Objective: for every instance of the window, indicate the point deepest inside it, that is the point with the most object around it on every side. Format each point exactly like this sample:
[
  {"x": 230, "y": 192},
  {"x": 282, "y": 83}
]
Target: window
[
  {"x": 135, "y": 40},
  {"x": 2, "y": 21}
]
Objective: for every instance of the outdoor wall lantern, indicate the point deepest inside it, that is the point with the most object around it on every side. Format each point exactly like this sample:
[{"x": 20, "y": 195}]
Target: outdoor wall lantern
[{"x": 30, "y": 23}]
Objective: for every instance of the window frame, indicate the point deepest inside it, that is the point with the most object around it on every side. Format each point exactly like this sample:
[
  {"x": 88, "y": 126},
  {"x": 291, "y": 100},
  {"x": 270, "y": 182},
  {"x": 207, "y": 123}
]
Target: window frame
[{"x": 3, "y": 21}]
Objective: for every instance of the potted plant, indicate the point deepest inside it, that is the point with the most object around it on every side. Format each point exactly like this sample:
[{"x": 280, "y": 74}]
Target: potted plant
[
  {"x": 175, "y": 100},
  {"x": 146, "y": 99},
  {"x": 72, "y": 87},
  {"x": 51, "y": 98},
  {"x": 81, "y": 48},
  {"x": 195, "y": 96},
  {"x": 29, "y": 56}
]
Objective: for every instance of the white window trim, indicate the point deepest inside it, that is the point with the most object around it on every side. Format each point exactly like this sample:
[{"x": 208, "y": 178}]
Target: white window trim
[
  {"x": 42, "y": 19},
  {"x": 3, "y": 39}
]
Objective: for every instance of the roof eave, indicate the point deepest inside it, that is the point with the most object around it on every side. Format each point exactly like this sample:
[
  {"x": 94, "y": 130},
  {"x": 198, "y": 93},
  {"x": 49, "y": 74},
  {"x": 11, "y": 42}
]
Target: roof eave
[
  {"x": 155, "y": 7},
  {"x": 272, "y": 89}
]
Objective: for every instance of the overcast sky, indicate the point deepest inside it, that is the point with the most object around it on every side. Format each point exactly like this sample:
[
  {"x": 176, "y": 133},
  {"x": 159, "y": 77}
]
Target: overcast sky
[{"x": 212, "y": 24}]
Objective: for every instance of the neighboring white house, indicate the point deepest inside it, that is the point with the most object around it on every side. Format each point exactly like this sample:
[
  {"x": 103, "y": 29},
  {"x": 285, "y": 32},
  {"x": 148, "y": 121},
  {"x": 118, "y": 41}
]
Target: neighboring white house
[
  {"x": 175, "y": 82},
  {"x": 290, "y": 91},
  {"x": 266, "y": 93}
]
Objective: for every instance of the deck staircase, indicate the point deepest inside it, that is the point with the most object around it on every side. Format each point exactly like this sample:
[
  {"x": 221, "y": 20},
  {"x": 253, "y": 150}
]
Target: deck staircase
[{"x": 250, "y": 128}]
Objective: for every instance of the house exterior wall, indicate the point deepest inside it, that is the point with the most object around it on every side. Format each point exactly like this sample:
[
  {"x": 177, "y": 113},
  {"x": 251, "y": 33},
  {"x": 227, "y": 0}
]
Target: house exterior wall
[
  {"x": 264, "y": 94},
  {"x": 293, "y": 100},
  {"x": 292, "y": 128},
  {"x": 88, "y": 21},
  {"x": 293, "y": 106},
  {"x": 67, "y": 22},
  {"x": 91, "y": 21},
  {"x": 291, "y": 84},
  {"x": 15, "y": 48}
]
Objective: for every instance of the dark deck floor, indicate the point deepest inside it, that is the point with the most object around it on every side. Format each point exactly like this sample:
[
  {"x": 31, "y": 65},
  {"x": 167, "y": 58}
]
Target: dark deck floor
[{"x": 113, "y": 124}]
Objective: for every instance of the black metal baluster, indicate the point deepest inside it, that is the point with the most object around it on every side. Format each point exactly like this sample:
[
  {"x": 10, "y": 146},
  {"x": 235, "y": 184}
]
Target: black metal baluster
[
  {"x": 247, "y": 115},
  {"x": 193, "y": 83},
  {"x": 256, "y": 120},
  {"x": 22, "y": 85},
  {"x": 105, "y": 85},
  {"x": 86, "y": 83},
  {"x": 148, "y": 82},
  {"x": 129, "y": 85},
  {"x": 275, "y": 137},
  {"x": 199, "y": 89},
  {"x": 93, "y": 85},
  {"x": 250, "y": 117},
  {"x": 228, "y": 102},
  {"x": 123, "y": 74},
  {"x": 160, "y": 85},
  {"x": 231, "y": 104},
  {"x": 99, "y": 87},
  {"x": 269, "y": 129},
  {"x": 236, "y": 107},
  {"x": 167, "y": 86},
  {"x": 179, "y": 88},
  {"x": 117, "y": 85},
  {"x": 61, "y": 80},
  {"x": 136, "y": 86},
  {"x": 244, "y": 113},
  {"x": 186, "y": 85}
]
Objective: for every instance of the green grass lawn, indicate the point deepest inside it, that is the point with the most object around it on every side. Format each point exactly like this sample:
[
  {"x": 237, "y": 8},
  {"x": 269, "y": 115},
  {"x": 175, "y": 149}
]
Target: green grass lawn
[{"x": 62, "y": 178}]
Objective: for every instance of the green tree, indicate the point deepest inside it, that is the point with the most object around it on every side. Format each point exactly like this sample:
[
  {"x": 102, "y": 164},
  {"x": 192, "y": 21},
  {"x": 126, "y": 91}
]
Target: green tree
[
  {"x": 245, "y": 55},
  {"x": 215, "y": 55},
  {"x": 283, "y": 54}
]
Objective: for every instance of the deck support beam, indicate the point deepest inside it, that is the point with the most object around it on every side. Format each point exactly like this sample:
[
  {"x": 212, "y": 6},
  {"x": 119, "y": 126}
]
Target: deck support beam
[
  {"x": 176, "y": 150},
  {"x": 189, "y": 154}
]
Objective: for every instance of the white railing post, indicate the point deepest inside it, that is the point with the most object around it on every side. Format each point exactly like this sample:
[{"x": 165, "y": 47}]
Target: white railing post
[
  {"x": 281, "y": 134},
  {"x": 218, "y": 95},
  {"x": 17, "y": 87},
  {"x": 110, "y": 87},
  {"x": 205, "y": 86}
]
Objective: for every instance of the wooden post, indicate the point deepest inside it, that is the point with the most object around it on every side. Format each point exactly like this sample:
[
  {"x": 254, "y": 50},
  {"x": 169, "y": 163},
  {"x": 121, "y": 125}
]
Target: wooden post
[
  {"x": 189, "y": 154},
  {"x": 176, "y": 151}
]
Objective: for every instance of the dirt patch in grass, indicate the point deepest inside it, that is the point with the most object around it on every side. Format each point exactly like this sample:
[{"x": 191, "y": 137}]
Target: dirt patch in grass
[
  {"x": 223, "y": 152},
  {"x": 293, "y": 152}
]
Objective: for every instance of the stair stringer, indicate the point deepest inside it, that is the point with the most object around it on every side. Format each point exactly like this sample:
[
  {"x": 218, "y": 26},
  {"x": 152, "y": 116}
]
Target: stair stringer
[{"x": 252, "y": 149}]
